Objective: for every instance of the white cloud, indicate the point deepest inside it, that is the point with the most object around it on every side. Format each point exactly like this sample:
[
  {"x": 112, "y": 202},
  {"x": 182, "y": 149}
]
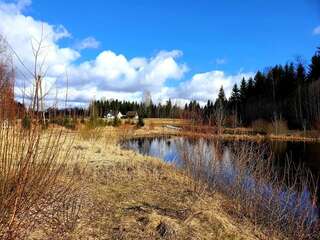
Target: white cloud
[
  {"x": 89, "y": 42},
  {"x": 14, "y": 7},
  {"x": 110, "y": 74},
  {"x": 204, "y": 86},
  {"x": 316, "y": 31},
  {"x": 110, "y": 71}
]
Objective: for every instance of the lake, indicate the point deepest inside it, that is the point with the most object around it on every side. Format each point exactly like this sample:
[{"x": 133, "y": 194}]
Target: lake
[{"x": 307, "y": 153}]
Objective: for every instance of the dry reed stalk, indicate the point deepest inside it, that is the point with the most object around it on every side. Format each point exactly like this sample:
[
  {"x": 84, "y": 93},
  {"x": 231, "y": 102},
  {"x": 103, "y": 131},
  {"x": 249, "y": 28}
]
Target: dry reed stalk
[{"x": 280, "y": 201}]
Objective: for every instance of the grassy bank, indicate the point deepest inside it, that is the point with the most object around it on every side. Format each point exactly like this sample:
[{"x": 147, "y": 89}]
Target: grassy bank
[
  {"x": 119, "y": 194},
  {"x": 128, "y": 196}
]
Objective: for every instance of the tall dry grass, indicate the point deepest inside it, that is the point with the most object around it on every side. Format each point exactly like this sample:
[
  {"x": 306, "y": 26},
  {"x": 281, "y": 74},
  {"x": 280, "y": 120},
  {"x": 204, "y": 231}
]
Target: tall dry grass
[{"x": 280, "y": 200}]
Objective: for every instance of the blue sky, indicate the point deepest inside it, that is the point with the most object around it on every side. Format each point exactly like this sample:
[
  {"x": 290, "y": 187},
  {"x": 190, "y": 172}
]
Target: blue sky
[
  {"x": 249, "y": 35},
  {"x": 230, "y": 36}
]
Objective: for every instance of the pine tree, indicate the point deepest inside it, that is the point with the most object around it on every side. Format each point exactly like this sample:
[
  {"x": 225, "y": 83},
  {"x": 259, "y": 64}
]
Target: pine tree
[
  {"x": 221, "y": 100},
  {"x": 314, "y": 67},
  {"x": 234, "y": 100},
  {"x": 243, "y": 91}
]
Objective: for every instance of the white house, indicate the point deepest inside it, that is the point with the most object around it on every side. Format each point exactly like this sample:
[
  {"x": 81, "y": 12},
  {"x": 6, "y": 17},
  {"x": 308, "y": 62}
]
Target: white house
[
  {"x": 110, "y": 116},
  {"x": 120, "y": 115}
]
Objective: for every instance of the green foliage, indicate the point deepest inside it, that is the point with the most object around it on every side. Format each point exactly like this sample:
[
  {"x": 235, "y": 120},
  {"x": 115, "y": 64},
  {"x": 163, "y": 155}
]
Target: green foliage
[
  {"x": 290, "y": 92},
  {"x": 67, "y": 122},
  {"x": 70, "y": 123},
  {"x": 221, "y": 100},
  {"x": 96, "y": 122},
  {"x": 140, "y": 122},
  {"x": 116, "y": 122},
  {"x": 168, "y": 110},
  {"x": 26, "y": 122}
]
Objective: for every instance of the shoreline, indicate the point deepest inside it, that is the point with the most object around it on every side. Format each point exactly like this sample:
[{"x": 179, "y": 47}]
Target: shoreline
[
  {"x": 164, "y": 132},
  {"x": 142, "y": 197}
]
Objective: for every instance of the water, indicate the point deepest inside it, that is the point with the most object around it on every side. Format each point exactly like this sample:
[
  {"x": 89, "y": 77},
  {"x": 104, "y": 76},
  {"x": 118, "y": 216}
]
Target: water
[
  {"x": 300, "y": 153},
  {"x": 176, "y": 150},
  {"x": 307, "y": 154}
]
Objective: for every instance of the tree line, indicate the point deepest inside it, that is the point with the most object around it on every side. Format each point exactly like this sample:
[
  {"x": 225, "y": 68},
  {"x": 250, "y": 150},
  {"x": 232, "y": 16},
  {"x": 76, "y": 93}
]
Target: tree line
[
  {"x": 289, "y": 92},
  {"x": 146, "y": 110}
]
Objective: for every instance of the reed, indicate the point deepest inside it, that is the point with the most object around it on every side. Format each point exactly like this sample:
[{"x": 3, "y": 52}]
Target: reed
[{"x": 280, "y": 200}]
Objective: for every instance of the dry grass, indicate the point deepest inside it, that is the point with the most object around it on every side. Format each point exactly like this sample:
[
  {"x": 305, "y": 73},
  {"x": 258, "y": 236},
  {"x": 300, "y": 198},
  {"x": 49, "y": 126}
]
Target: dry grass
[
  {"x": 159, "y": 122},
  {"x": 129, "y": 196},
  {"x": 280, "y": 203},
  {"x": 118, "y": 194}
]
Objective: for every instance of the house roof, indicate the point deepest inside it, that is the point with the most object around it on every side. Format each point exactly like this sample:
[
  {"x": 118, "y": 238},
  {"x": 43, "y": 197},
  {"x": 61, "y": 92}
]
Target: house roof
[{"x": 132, "y": 114}]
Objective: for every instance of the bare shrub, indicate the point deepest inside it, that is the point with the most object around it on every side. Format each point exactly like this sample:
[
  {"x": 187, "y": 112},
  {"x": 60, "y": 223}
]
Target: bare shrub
[
  {"x": 281, "y": 200},
  {"x": 33, "y": 162},
  {"x": 278, "y": 126},
  {"x": 260, "y": 126}
]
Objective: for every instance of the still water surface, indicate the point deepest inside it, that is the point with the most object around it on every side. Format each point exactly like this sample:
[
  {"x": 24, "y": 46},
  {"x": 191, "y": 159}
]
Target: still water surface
[{"x": 168, "y": 150}]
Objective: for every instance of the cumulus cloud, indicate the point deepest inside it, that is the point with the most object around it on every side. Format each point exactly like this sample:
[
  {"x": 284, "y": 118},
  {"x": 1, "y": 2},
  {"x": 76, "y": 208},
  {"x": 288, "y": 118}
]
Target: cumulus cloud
[
  {"x": 14, "y": 7},
  {"x": 112, "y": 72},
  {"x": 89, "y": 42},
  {"x": 316, "y": 31},
  {"x": 204, "y": 86},
  {"x": 23, "y": 32},
  {"x": 109, "y": 74}
]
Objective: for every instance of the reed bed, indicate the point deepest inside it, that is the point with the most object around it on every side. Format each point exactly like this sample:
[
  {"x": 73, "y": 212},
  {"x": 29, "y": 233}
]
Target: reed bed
[{"x": 280, "y": 200}]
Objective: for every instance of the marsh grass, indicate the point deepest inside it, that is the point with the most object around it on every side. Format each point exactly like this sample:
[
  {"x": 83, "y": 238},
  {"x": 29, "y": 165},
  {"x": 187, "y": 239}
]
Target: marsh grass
[{"x": 280, "y": 202}]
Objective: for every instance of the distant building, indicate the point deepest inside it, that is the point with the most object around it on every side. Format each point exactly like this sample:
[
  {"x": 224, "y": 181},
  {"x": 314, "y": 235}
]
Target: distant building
[
  {"x": 120, "y": 115},
  {"x": 132, "y": 115},
  {"x": 111, "y": 115}
]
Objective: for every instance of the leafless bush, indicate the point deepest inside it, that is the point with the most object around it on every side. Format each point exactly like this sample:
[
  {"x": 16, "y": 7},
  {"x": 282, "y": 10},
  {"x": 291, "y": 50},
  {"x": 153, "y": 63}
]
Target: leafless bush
[
  {"x": 281, "y": 200},
  {"x": 279, "y": 126},
  {"x": 32, "y": 164},
  {"x": 260, "y": 126}
]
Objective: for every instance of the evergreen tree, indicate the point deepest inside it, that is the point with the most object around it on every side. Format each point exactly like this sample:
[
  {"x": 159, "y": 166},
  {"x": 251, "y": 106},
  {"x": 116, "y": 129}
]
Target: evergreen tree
[
  {"x": 221, "y": 100},
  {"x": 234, "y": 100},
  {"x": 243, "y": 91},
  {"x": 314, "y": 67}
]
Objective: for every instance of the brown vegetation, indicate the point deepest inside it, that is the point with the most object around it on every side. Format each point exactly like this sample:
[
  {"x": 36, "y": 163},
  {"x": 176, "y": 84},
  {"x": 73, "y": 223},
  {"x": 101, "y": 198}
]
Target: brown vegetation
[
  {"x": 275, "y": 201},
  {"x": 35, "y": 178},
  {"x": 129, "y": 196}
]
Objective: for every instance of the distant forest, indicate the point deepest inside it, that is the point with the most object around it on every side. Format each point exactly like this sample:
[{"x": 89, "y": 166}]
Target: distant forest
[{"x": 289, "y": 93}]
